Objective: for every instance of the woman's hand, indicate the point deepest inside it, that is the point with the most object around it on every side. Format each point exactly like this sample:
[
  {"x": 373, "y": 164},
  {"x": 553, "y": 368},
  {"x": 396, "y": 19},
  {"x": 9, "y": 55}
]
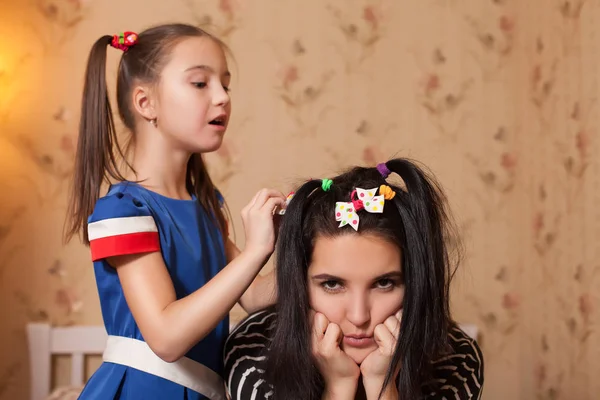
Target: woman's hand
[
  {"x": 339, "y": 371},
  {"x": 375, "y": 367}
]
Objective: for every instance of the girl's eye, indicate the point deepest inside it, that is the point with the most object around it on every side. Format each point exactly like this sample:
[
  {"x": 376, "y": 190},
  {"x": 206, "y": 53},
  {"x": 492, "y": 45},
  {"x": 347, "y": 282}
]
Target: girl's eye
[{"x": 199, "y": 85}]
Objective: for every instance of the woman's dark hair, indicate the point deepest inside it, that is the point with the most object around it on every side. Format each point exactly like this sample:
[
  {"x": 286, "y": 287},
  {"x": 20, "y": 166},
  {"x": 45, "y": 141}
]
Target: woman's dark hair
[
  {"x": 98, "y": 150},
  {"x": 416, "y": 220}
]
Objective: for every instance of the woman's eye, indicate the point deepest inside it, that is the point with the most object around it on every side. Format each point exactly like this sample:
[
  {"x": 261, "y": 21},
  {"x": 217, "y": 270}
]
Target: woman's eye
[
  {"x": 331, "y": 285},
  {"x": 385, "y": 283}
]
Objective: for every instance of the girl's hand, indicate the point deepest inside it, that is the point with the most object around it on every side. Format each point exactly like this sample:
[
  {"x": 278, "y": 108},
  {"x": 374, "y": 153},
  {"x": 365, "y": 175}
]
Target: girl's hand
[
  {"x": 374, "y": 368},
  {"x": 339, "y": 371},
  {"x": 258, "y": 220}
]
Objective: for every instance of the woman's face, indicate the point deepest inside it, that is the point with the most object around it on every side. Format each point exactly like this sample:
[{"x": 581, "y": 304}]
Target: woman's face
[{"x": 356, "y": 282}]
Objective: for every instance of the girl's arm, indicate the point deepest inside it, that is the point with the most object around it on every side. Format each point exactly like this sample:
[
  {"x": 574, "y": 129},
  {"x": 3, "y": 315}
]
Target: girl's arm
[
  {"x": 170, "y": 326},
  {"x": 262, "y": 292}
]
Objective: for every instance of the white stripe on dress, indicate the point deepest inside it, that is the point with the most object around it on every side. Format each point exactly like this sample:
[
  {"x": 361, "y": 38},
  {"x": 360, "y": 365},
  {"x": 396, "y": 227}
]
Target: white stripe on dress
[{"x": 121, "y": 226}]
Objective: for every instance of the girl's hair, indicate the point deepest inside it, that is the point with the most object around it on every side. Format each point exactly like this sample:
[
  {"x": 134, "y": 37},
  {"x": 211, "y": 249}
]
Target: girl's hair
[
  {"x": 416, "y": 221},
  {"x": 98, "y": 150}
]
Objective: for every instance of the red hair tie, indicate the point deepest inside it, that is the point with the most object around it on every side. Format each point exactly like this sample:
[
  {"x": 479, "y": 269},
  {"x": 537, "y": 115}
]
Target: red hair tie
[
  {"x": 357, "y": 203},
  {"x": 124, "y": 40}
]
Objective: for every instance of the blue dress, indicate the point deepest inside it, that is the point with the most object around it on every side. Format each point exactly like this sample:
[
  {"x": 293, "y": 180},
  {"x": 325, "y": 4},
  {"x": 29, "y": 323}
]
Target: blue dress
[{"x": 193, "y": 250}]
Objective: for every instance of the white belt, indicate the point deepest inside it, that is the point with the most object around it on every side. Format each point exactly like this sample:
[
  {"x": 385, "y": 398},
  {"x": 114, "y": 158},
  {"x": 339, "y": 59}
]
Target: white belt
[{"x": 185, "y": 371}]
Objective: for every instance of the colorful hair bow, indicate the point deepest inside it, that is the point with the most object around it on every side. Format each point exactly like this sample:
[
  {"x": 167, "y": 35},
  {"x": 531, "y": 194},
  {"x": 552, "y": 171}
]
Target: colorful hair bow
[
  {"x": 346, "y": 213},
  {"x": 124, "y": 40}
]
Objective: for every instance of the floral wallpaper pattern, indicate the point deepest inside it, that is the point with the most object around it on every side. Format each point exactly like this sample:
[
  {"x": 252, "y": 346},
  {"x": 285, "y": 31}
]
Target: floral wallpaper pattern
[{"x": 497, "y": 97}]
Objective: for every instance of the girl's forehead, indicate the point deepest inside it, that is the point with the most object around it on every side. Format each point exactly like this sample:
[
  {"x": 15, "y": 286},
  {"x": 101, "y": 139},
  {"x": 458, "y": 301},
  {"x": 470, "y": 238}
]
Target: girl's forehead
[{"x": 196, "y": 52}]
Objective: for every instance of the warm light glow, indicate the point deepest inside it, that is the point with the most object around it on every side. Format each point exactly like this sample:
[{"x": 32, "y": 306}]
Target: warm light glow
[
  {"x": 18, "y": 47},
  {"x": 4, "y": 64},
  {"x": 3, "y": 80},
  {"x": 8, "y": 76}
]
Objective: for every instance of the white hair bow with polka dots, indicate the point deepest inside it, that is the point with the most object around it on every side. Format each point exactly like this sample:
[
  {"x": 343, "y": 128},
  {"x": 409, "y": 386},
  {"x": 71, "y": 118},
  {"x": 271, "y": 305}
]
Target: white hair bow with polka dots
[{"x": 346, "y": 213}]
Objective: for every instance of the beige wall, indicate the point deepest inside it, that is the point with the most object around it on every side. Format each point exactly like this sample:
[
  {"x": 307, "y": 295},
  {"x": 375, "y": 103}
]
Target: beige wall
[{"x": 499, "y": 98}]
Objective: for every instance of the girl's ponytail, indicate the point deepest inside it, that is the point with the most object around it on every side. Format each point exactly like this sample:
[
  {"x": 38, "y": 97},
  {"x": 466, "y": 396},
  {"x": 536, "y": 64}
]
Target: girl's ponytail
[{"x": 95, "y": 159}]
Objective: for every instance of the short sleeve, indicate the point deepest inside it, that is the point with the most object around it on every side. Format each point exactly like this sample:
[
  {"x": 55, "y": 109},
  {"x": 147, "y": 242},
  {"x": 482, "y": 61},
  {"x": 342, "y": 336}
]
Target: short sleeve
[{"x": 120, "y": 225}]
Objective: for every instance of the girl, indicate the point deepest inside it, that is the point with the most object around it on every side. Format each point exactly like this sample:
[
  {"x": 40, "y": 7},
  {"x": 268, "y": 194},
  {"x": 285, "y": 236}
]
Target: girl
[
  {"x": 158, "y": 238},
  {"x": 363, "y": 275}
]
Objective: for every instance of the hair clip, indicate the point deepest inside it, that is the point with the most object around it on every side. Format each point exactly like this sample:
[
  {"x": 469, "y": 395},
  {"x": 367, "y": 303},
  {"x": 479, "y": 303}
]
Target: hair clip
[
  {"x": 124, "y": 40},
  {"x": 287, "y": 202},
  {"x": 326, "y": 184},
  {"x": 346, "y": 212}
]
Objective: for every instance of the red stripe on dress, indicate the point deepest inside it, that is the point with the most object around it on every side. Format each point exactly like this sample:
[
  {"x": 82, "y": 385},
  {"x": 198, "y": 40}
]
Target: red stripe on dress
[{"x": 131, "y": 243}]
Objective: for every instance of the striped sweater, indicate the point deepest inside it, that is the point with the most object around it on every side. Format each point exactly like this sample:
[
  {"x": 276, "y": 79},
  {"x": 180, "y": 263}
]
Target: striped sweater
[{"x": 457, "y": 375}]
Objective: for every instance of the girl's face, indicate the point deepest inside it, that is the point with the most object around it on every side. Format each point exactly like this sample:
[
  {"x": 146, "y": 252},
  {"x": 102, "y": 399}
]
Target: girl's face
[
  {"x": 356, "y": 282},
  {"x": 193, "y": 104}
]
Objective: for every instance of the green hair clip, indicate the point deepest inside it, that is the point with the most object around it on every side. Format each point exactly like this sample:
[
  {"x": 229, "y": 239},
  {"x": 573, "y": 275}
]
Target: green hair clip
[{"x": 326, "y": 184}]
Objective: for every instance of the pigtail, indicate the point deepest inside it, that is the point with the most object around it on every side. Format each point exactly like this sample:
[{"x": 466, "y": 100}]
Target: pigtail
[
  {"x": 290, "y": 366},
  {"x": 426, "y": 270},
  {"x": 95, "y": 160}
]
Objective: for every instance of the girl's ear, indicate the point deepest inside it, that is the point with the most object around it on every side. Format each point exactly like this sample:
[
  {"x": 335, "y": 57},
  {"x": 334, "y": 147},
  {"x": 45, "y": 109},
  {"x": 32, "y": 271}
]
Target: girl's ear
[{"x": 144, "y": 102}]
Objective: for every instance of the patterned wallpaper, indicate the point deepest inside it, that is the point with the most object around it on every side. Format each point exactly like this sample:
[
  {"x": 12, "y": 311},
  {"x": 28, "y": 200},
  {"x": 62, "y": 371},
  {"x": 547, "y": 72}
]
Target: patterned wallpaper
[{"x": 497, "y": 97}]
